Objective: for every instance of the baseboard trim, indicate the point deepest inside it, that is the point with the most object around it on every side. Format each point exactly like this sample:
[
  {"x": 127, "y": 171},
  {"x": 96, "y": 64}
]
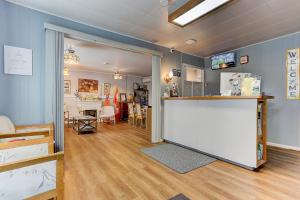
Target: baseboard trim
[{"x": 282, "y": 146}]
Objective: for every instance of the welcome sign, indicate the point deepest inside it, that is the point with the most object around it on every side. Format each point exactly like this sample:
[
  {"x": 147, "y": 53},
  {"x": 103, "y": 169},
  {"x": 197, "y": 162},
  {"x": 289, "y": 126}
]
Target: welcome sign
[{"x": 293, "y": 74}]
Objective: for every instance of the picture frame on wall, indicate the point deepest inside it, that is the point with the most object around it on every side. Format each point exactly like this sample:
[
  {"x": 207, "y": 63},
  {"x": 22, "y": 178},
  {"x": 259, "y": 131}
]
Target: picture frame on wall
[
  {"x": 244, "y": 59},
  {"x": 67, "y": 86},
  {"x": 176, "y": 72},
  {"x": 17, "y": 61},
  {"x": 123, "y": 97},
  {"x": 87, "y": 85},
  {"x": 106, "y": 89}
]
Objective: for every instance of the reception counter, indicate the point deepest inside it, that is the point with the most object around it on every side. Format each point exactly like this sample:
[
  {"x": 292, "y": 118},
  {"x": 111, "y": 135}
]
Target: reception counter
[{"x": 231, "y": 128}]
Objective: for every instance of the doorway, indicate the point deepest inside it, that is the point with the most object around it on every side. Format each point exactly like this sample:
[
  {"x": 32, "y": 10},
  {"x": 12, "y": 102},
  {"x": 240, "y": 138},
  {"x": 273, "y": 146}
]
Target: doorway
[
  {"x": 106, "y": 86},
  {"x": 54, "y": 108}
]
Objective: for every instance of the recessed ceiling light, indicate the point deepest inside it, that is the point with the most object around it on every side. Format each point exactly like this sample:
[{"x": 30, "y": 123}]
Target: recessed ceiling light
[
  {"x": 194, "y": 10},
  {"x": 190, "y": 41},
  {"x": 106, "y": 63}
]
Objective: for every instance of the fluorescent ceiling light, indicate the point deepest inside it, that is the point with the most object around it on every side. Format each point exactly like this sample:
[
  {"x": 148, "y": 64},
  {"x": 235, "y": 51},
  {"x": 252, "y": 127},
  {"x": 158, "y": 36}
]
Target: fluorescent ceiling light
[{"x": 198, "y": 11}]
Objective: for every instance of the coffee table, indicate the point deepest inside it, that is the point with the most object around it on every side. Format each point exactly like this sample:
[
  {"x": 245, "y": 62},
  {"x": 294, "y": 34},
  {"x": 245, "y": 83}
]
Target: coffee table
[{"x": 83, "y": 124}]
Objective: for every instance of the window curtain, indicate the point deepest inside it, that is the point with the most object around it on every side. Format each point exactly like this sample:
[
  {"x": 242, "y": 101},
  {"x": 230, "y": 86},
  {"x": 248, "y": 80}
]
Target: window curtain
[
  {"x": 54, "y": 83},
  {"x": 156, "y": 100}
]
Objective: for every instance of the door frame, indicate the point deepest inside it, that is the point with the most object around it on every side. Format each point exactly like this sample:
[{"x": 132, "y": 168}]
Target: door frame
[{"x": 156, "y": 131}]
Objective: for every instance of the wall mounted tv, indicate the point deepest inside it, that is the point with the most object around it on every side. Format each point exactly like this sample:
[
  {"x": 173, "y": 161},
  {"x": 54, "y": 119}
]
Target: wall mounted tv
[{"x": 222, "y": 61}]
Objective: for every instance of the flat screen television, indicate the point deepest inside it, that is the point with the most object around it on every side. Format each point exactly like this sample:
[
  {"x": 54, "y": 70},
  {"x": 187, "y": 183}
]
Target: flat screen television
[{"x": 222, "y": 61}]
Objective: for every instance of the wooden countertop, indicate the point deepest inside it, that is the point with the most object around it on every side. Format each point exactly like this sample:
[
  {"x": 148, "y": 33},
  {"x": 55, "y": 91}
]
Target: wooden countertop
[{"x": 218, "y": 98}]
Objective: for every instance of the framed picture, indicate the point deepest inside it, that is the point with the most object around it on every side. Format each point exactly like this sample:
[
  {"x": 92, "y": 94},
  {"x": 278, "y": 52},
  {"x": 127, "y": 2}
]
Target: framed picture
[
  {"x": 123, "y": 97},
  {"x": 106, "y": 89},
  {"x": 88, "y": 85},
  {"x": 176, "y": 72},
  {"x": 244, "y": 59},
  {"x": 67, "y": 87},
  {"x": 17, "y": 60}
]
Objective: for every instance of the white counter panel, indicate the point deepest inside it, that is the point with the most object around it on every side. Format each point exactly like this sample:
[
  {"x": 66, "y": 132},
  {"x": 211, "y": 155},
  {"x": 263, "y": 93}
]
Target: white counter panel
[{"x": 224, "y": 128}]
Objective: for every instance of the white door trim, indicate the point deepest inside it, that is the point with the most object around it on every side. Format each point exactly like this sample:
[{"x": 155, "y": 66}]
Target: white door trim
[
  {"x": 156, "y": 135},
  {"x": 100, "y": 40}
]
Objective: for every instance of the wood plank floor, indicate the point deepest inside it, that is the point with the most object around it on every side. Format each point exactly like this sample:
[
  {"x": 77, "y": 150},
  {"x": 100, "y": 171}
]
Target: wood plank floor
[{"x": 109, "y": 165}]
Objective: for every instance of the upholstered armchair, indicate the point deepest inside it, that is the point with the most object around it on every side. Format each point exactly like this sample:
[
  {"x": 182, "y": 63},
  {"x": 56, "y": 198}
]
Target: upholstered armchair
[{"x": 108, "y": 114}]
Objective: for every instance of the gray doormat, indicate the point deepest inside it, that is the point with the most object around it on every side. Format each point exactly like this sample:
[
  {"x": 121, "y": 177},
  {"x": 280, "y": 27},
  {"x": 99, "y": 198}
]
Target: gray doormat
[
  {"x": 179, "y": 197},
  {"x": 178, "y": 158}
]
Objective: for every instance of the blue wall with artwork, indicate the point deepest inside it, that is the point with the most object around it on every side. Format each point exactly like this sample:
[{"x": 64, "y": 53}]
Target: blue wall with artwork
[
  {"x": 21, "y": 97},
  {"x": 268, "y": 60}
]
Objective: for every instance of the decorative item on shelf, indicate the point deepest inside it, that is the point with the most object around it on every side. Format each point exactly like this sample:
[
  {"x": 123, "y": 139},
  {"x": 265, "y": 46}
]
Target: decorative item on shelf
[
  {"x": 91, "y": 97},
  {"x": 167, "y": 92},
  {"x": 174, "y": 90},
  {"x": 232, "y": 81},
  {"x": 293, "y": 74},
  {"x": 70, "y": 57},
  {"x": 67, "y": 86},
  {"x": 77, "y": 95},
  {"x": 244, "y": 59},
  {"x": 235, "y": 84},
  {"x": 168, "y": 78},
  {"x": 226, "y": 93},
  {"x": 117, "y": 76},
  {"x": 250, "y": 85}
]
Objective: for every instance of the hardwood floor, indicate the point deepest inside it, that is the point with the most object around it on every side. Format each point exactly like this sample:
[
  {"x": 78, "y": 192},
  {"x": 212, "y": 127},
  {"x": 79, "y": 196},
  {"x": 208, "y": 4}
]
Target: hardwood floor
[{"x": 109, "y": 165}]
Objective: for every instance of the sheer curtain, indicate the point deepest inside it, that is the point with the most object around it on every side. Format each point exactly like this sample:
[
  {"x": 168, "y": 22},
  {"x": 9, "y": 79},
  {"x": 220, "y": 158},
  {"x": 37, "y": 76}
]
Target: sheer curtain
[{"x": 54, "y": 81}]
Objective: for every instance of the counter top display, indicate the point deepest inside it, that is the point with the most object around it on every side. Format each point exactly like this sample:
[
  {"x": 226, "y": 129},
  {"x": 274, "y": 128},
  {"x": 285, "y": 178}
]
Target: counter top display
[
  {"x": 217, "y": 97},
  {"x": 230, "y": 128}
]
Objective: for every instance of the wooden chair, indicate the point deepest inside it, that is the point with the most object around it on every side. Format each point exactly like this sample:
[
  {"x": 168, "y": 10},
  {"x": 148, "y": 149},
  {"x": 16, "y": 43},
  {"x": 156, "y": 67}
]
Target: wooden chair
[
  {"x": 139, "y": 117},
  {"x": 36, "y": 178},
  {"x": 131, "y": 119},
  {"x": 27, "y": 156}
]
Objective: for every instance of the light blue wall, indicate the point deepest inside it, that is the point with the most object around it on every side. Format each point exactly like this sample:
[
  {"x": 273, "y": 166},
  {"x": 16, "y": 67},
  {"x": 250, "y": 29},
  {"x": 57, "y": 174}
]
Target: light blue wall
[
  {"x": 268, "y": 60},
  {"x": 21, "y": 97}
]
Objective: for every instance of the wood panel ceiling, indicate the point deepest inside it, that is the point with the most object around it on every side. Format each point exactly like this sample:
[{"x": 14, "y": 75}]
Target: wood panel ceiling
[{"x": 242, "y": 23}]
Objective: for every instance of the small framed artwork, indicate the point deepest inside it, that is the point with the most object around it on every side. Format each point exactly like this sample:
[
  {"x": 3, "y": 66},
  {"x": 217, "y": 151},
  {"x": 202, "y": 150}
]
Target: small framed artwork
[
  {"x": 67, "y": 87},
  {"x": 17, "y": 60},
  {"x": 123, "y": 97},
  {"x": 106, "y": 89},
  {"x": 176, "y": 72},
  {"x": 244, "y": 59}
]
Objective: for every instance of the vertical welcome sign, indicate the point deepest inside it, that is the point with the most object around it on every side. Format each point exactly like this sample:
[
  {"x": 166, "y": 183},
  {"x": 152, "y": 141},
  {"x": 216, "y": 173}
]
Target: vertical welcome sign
[{"x": 293, "y": 74}]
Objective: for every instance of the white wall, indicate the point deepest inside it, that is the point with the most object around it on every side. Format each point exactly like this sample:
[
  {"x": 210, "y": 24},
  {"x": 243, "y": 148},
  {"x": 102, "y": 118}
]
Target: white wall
[{"x": 125, "y": 85}]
